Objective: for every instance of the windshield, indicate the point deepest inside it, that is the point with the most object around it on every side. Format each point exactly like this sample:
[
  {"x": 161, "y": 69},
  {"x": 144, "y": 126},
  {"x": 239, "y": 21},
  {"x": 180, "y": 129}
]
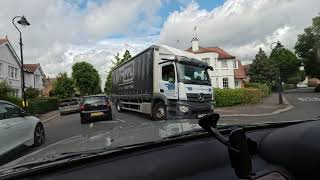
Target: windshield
[
  {"x": 191, "y": 74},
  {"x": 102, "y": 74}
]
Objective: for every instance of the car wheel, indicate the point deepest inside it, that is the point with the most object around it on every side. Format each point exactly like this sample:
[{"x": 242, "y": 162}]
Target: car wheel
[
  {"x": 159, "y": 111},
  {"x": 39, "y": 135},
  {"x": 118, "y": 106}
]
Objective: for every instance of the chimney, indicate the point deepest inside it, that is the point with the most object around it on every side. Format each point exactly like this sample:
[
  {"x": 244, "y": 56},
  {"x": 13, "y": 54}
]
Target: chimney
[{"x": 195, "y": 44}]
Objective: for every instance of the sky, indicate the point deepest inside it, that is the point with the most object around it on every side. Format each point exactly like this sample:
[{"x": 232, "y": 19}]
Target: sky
[{"x": 63, "y": 32}]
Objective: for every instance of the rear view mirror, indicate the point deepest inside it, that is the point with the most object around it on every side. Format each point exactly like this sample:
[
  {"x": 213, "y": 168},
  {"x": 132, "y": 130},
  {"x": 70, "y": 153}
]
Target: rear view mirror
[
  {"x": 240, "y": 160},
  {"x": 209, "y": 67}
]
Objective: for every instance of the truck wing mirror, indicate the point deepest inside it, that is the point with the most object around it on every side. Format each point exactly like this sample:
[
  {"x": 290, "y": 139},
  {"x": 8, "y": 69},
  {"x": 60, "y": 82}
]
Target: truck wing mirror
[{"x": 209, "y": 67}]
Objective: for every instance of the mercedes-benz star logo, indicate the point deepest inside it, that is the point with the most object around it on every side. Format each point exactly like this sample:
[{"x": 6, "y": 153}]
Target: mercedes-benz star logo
[{"x": 200, "y": 97}]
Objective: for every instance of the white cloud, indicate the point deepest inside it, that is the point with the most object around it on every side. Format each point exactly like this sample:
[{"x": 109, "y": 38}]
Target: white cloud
[
  {"x": 241, "y": 26},
  {"x": 62, "y": 33}
]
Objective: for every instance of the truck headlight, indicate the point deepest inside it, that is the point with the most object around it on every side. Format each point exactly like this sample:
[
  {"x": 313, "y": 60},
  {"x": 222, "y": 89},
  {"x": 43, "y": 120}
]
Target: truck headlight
[{"x": 183, "y": 108}]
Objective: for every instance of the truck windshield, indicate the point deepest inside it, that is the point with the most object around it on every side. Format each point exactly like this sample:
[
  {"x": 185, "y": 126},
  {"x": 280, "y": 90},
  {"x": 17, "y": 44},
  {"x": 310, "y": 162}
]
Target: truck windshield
[{"x": 191, "y": 74}]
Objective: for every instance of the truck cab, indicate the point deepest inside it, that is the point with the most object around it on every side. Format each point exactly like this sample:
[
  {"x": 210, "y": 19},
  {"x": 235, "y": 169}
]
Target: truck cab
[{"x": 184, "y": 87}]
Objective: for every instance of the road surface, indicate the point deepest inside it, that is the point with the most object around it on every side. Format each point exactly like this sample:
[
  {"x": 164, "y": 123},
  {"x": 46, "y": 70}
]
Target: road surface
[{"x": 306, "y": 106}]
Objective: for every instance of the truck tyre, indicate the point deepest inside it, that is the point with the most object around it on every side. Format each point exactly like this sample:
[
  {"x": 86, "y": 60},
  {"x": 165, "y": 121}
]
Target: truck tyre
[
  {"x": 118, "y": 106},
  {"x": 159, "y": 111}
]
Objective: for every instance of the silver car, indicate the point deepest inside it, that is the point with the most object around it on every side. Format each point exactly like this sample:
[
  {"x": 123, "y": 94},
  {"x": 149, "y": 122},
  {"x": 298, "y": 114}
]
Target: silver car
[
  {"x": 69, "y": 106},
  {"x": 18, "y": 128}
]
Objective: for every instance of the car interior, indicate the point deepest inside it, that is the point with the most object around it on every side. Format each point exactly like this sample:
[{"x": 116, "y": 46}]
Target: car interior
[{"x": 270, "y": 151}]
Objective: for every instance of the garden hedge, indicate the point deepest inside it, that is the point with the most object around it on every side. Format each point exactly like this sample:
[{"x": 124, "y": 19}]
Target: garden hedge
[
  {"x": 231, "y": 97},
  {"x": 265, "y": 89},
  {"x": 36, "y": 106}
]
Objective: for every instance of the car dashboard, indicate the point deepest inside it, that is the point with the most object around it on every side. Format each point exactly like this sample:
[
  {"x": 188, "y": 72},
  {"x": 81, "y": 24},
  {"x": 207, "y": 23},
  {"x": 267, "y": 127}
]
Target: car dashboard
[{"x": 290, "y": 152}]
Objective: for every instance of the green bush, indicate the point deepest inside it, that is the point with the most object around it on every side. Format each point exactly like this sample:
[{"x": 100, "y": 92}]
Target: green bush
[
  {"x": 5, "y": 89},
  {"x": 265, "y": 89},
  {"x": 42, "y": 105},
  {"x": 32, "y": 93},
  {"x": 36, "y": 106},
  {"x": 231, "y": 97},
  {"x": 289, "y": 86},
  {"x": 15, "y": 100}
]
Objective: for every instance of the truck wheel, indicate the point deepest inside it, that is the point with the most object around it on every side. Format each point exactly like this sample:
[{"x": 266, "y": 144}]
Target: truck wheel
[
  {"x": 118, "y": 106},
  {"x": 159, "y": 111}
]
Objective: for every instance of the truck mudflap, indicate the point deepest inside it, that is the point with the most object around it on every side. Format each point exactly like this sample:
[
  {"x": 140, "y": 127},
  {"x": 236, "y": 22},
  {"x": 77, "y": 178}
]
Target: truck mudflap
[{"x": 177, "y": 110}]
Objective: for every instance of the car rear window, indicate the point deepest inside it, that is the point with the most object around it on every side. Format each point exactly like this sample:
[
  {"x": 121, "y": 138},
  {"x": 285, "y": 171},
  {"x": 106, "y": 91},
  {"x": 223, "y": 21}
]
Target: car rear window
[
  {"x": 93, "y": 99},
  {"x": 68, "y": 102}
]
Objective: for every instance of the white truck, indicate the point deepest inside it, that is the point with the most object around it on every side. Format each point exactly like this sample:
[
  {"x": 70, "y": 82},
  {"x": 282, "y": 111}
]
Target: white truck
[{"x": 164, "y": 82}]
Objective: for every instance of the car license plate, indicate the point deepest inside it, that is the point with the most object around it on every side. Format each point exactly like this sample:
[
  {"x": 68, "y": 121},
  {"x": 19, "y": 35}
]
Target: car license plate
[
  {"x": 97, "y": 114},
  {"x": 201, "y": 115}
]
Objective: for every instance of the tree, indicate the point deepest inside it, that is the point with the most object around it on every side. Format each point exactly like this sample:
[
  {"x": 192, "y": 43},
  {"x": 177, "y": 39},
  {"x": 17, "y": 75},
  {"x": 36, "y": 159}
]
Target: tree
[
  {"x": 63, "y": 87},
  {"x": 306, "y": 48},
  {"x": 116, "y": 62},
  {"x": 31, "y": 93},
  {"x": 262, "y": 70},
  {"x": 286, "y": 63},
  {"x": 86, "y": 78},
  {"x": 5, "y": 89}
]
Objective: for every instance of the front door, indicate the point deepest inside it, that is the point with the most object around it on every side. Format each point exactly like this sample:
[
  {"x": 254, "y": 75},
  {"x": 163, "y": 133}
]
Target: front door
[{"x": 168, "y": 83}]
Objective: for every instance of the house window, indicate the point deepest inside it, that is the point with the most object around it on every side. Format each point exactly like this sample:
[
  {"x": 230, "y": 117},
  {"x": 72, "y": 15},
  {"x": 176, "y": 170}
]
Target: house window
[
  {"x": 37, "y": 79},
  {"x": 225, "y": 83},
  {"x": 224, "y": 64},
  {"x": 13, "y": 72},
  {"x": 206, "y": 60},
  {"x": 1, "y": 69},
  {"x": 235, "y": 65},
  {"x": 236, "y": 83}
]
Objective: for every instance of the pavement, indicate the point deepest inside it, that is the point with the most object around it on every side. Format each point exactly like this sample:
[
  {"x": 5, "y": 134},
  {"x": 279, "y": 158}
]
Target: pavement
[
  {"x": 306, "y": 105},
  {"x": 268, "y": 106}
]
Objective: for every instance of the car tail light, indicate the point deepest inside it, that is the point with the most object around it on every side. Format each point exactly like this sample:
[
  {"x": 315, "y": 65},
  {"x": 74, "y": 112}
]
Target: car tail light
[{"x": 81, "y": 107}]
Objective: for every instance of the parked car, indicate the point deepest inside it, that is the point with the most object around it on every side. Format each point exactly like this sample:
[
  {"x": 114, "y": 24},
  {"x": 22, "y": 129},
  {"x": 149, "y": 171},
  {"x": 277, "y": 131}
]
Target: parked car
[
  {"x": 17, "y": 128},
  {"x": 94, "y": 108},
  {"x": 69, "y": 105}
]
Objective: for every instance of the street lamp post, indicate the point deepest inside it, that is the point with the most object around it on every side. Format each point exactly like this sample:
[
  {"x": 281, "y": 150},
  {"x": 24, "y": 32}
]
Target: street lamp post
[
  {"x": 279, "y": 46},
  {"x": 23, "y": 21}
]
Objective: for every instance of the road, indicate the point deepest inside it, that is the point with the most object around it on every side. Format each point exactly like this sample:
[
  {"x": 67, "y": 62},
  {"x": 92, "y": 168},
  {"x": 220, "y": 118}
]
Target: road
[{"x": 306, "y": 106}]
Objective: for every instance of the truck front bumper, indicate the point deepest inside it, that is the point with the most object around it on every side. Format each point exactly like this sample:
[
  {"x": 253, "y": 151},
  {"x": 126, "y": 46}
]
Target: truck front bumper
[{"x": 187, "y": 110}]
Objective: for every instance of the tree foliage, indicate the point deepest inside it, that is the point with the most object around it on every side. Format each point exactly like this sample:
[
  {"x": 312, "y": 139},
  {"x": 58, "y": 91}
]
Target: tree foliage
[
  {"x": 31, "y": 93},
  {"x": 306, "y": 48},
  {"x": 116, "y": 62},
  {"x": 63, "y": 87},
  {"x": 262, "y": 70},
  {"x": 286, "y": 62},
  {"x": 5, "y": 89},
  {"x": 86, "y": 78}
]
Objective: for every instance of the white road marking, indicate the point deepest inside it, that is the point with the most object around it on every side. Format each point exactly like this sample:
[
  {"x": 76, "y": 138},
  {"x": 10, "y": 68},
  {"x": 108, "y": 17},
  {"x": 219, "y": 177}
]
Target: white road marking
[
  {"x": 308, "y": 99},
  {"x": 121, "y": 120},
  {"x": 106, "y": 122},
  {"x": 91, "y": 125}
]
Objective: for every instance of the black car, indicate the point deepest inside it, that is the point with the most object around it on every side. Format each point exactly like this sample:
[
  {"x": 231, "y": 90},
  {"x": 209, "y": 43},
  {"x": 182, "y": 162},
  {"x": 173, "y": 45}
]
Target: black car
[{"x": 97, "y": 107}]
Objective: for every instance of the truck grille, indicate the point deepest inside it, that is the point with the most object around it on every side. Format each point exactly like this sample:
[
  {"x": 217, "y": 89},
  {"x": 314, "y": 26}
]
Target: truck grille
[{"x": 199, "y": 97}]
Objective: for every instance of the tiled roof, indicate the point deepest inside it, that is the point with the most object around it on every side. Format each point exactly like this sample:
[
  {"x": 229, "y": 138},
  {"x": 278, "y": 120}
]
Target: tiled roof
[
  {"x": 222, "y": 54},
  {"x": 239, "y": 73},
  {"x": 31, "y": 67},
  {"x": 3, "y": 40},
  {"x": 246, "y": 69}
]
